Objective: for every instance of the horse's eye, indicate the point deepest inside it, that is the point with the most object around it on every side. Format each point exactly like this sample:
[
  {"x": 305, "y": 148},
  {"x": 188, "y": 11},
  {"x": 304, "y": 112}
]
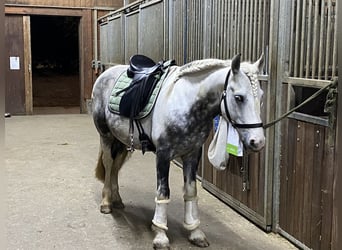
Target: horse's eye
[{"x": 238, "y": 98}]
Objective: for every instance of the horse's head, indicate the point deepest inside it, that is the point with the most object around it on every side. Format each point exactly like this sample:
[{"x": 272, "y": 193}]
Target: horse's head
[{"x": 242, "y": 102}]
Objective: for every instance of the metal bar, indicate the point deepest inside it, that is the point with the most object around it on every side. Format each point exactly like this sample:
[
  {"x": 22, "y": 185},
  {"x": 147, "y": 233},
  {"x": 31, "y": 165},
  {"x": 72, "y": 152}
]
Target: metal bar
[
  {"x": 149, "y": 3},
  {"x": 264, "y": 39},
  {"x": 310, "y": 118},
  {"x": 185, "y": 28},
  {"x": 321, "y": 41},
  {"x": 315, "y": 45},
  {"x": 334, "y": 61},
  {"x": 230, "y": 28},
  {"x": 302, "y": 42},
  {"x": 243, "y": 25},
  {"x": 198, "y": 27},
  {"x": 309, "y": 42},
  {"x": 328, "y": 43},
  {"x": 95, "y": 36},
  {"x": 189, "y": 17},
  {"x": 297, "y": 42},
  {"x": 255, "y": 26},
  {"x": 303, "y": 82},
  {"x": 238, "y": 33},
  {"x": 235, "y": 28},
  {"x": 278, "y": 54},
  {"x": 219, "y": 28},
  {"x": 260, "y": 35},
  {"x": 293, "y": 239},
  {"x": 166, "y": 29},
  {"x": 247, "y": 25},
  {"x": 225, "y": 28},
  {"x": 252, "y": 36},
  {"x": 292, "y": 39}
]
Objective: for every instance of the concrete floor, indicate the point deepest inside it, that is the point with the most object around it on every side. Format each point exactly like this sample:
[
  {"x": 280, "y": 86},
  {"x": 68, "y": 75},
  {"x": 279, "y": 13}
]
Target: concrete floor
[{"x": 53, "y": 198}]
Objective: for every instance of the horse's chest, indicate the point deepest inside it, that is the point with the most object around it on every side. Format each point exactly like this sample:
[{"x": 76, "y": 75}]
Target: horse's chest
[
  {"x": 183, "y": 136},
  {"x": 188, "y": 129}
]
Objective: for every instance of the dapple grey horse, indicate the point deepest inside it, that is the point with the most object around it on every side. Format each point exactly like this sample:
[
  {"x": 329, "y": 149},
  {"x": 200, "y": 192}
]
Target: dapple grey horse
[{"x": 182, "y": 118}]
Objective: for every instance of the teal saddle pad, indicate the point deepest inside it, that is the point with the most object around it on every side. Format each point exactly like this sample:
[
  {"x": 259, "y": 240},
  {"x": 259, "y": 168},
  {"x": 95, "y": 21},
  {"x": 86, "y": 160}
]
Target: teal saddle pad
[{"x": 123, "y": 82}]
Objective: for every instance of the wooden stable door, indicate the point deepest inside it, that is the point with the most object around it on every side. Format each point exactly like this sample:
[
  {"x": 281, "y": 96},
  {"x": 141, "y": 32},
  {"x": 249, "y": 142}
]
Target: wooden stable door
[{"x": 18, "y": 77}]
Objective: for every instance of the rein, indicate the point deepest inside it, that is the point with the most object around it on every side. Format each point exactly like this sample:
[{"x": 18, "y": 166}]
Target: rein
[
  {"x": 234, "y": 124},
  {"x": 317, "y": 93}
]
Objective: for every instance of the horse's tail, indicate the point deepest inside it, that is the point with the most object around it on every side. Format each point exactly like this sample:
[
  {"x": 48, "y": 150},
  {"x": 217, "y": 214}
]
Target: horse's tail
[{"x": 100, "y": 169}]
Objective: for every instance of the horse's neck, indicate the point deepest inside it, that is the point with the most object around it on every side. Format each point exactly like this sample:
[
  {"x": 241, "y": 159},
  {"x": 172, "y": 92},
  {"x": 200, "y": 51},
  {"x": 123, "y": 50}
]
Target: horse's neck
[
  {"x": 205, "y": 90},
  {"x": 214, "y": 81}
]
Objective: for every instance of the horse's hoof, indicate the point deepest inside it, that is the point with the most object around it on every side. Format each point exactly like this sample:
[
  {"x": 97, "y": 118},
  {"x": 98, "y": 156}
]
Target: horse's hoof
[
  {"x": 198, "y": 238},
  {"x": 105, "y": 209},
  {"x": 160, "y": 241},
  {"x": 118, "y": 205}
]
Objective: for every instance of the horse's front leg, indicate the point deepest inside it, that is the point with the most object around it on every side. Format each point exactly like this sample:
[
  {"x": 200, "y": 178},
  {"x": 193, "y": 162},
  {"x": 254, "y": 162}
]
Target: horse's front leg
[
  {"x": 191, "y": 216},
  {"x": 159, "y": 222}
]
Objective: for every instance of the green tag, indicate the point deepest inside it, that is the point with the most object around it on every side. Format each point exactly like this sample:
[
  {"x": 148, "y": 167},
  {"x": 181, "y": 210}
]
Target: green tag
[{"x": 232, "y": 149}]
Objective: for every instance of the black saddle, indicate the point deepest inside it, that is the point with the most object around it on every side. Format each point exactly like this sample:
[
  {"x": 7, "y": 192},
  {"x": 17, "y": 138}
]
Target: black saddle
[{"x": 145, "y": 74}]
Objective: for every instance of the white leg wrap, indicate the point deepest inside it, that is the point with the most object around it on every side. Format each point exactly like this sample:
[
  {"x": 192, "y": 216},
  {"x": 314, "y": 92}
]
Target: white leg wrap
[
  {"x": 160, "y": 214},
  {"x": 191, "y": 218}
]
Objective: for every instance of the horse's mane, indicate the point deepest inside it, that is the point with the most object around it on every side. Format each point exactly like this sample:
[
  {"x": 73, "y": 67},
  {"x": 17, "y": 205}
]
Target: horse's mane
[
  {"x": 200, "y": 65},
  {"x": 207, "y": 64}
]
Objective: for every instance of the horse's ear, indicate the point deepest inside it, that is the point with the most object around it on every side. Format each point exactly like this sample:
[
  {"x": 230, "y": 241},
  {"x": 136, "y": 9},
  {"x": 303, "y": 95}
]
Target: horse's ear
[
  {"x": 236, "y": 63},
  {"x": 260, "y": 63}
]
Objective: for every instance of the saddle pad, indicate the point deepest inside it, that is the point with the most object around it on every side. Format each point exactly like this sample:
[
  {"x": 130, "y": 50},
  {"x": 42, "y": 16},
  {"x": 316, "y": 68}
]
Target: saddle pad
[{"x": 123, "y": 82}]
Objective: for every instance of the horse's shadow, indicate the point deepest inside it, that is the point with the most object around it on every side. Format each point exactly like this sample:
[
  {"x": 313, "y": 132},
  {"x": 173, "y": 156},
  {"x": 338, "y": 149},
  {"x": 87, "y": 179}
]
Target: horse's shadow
[{"x": 138, "y": 219}]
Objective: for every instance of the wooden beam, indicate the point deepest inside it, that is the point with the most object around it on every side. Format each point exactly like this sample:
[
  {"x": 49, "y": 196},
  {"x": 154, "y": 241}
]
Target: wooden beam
[
  {"x": 23, "y": 10},
  {"x": 28, "y": 65},
  {"x": 337, "y": 197}
]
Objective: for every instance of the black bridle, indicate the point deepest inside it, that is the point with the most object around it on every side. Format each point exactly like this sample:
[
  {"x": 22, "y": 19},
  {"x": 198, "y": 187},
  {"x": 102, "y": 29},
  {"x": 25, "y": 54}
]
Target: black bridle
[{"x": 234, "y": 124}]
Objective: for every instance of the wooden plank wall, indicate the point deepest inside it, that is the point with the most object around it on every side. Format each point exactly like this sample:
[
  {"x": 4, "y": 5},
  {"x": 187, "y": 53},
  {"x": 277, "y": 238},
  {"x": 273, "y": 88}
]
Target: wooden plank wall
[
  {"x": 230, "y": 181},
  {"x": 306, "y": 178}
]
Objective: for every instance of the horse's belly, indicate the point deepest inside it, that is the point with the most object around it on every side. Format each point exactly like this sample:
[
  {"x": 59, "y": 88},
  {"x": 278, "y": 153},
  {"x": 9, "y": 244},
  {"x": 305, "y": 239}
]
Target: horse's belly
[{"x": 120, "y": 129}]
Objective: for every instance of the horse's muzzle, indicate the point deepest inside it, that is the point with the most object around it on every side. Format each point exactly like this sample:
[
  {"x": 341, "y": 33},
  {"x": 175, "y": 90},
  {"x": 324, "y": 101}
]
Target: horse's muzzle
[{"x": 256, "y": 144}]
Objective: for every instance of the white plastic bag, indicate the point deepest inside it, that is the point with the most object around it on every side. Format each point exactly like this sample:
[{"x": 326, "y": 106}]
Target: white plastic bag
[{"x": 217, "y": 152}]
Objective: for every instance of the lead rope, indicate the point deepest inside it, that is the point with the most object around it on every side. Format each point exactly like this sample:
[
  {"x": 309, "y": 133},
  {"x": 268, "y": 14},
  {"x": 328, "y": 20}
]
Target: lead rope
[{"x": 331, "y": 85}]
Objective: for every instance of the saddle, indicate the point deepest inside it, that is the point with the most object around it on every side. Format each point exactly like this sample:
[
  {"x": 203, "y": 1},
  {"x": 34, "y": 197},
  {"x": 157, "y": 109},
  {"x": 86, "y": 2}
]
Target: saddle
[{"x": 145, "y": 75}]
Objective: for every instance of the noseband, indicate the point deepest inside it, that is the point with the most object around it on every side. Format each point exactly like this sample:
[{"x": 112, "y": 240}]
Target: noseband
[{"x": 236, "y": 125}]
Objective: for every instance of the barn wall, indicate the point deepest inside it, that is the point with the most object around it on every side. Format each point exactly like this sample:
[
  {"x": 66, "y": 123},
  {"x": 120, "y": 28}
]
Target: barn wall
[{"x": 69, "y": 3}]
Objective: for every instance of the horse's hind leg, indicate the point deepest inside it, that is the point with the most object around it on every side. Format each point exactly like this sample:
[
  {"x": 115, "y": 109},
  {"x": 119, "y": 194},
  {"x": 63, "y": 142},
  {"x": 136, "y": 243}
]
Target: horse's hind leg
[
  {"x": 191, "y": 217},
  {"x": 111, "y": 157}
]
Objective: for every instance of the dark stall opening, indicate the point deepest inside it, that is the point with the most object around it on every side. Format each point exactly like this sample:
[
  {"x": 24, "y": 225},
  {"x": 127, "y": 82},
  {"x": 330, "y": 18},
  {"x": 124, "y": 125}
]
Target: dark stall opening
[{"x": 55, "y": 64}]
